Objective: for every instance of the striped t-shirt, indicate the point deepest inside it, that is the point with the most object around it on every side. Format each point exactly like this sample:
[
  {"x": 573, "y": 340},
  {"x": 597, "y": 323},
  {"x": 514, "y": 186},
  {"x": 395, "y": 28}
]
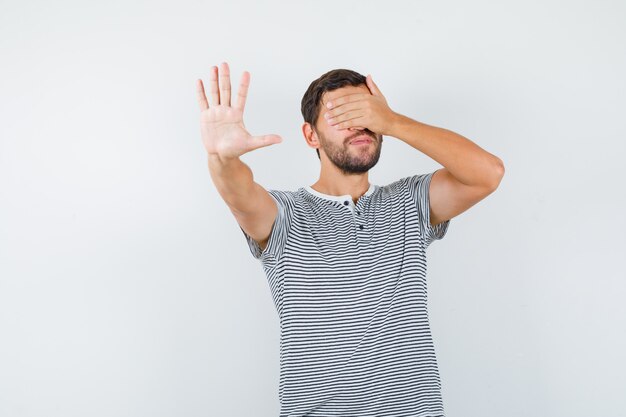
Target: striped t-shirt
[{"x": 349, "y": 285}]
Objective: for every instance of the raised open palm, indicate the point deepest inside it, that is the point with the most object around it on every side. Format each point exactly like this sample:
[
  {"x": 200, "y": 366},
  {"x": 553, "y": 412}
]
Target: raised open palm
[{"x": 221, "y": 125}]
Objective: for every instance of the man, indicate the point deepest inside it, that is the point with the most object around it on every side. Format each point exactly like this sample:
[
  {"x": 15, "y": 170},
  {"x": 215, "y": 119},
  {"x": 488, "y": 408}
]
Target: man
[{"x": 346, "y": 259}]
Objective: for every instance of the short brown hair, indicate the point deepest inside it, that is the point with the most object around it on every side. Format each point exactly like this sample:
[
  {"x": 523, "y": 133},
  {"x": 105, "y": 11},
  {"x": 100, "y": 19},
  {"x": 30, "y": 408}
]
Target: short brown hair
[{"x": 331, "y": 80}]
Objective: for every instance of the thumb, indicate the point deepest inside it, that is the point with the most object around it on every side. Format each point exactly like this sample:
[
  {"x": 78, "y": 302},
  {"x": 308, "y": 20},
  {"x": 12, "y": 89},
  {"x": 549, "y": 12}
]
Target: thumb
[
  {"x": 264, "y": 140},
  {"x": 372, "y": 86}
]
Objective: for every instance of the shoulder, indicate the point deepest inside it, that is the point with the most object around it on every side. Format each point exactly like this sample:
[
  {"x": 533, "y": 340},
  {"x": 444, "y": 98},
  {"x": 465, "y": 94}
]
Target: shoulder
[
  {"x": 404, "y": 183},
  {"x": 413, "y": 181},
  {"x": 286, "y": 198},
  {"x": 286, "y": 195}
]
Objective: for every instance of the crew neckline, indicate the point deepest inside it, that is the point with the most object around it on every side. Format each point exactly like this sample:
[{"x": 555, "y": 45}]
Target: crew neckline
[{"x": 339, "y": 198}]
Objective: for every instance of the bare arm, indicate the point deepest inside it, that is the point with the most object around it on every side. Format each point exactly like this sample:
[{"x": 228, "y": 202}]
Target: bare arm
[
  {"x": 470, "y": 173},
  {"x": 225, "y": 138},
  {"x": 250, "y": 203}
]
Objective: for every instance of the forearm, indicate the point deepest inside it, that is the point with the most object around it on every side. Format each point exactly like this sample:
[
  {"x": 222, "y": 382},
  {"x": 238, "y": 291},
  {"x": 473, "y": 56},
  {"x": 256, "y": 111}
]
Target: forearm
[
  {"x": 234, "y": 182},
  {"x": 465, "y": 160}
]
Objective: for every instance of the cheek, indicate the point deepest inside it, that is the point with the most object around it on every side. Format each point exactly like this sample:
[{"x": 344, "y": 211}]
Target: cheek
[{"x": 330, "y": 135}]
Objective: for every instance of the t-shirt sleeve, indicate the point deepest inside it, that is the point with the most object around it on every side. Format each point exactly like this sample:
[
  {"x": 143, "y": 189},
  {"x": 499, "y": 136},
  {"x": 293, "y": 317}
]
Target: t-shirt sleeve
[
  {"x": 280, "y": 228},
  {"x": 419, "y": 190}
]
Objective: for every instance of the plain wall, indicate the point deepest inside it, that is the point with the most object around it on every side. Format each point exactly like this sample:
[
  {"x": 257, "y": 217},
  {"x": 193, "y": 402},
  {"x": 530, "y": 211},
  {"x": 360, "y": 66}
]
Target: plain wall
[{"x": 126, "y": 286}]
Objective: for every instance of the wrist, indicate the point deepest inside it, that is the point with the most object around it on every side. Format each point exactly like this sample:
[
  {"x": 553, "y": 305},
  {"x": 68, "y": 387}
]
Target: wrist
[
  {"x": 215, "y": 158},
  {"x": 398, "y": 124}
]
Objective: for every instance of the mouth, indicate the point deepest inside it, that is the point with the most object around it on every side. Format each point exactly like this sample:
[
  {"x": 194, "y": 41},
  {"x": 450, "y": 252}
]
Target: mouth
[{"x": 361, "y": 140}]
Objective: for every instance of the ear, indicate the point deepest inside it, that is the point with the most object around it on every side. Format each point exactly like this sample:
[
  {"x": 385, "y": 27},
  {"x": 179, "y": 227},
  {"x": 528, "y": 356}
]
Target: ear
[{"x": 309, "y": 135}]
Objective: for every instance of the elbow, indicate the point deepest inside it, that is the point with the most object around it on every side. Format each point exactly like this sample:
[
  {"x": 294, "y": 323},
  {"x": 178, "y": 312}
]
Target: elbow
[{"x": 497, "y": 173}]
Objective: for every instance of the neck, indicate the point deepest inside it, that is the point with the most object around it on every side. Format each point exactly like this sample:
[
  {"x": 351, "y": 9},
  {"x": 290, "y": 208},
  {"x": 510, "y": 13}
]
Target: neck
[{"x": 338, "y": 185}]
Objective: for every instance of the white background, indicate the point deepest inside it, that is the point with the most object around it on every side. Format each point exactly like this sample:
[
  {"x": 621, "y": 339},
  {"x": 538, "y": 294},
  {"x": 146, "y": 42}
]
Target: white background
[{"x": 126, "y": 286}]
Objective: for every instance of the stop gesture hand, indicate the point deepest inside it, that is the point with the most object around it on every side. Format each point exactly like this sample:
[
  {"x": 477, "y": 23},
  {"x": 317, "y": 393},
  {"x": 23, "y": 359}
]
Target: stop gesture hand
[{"x": 221, "y": 125}]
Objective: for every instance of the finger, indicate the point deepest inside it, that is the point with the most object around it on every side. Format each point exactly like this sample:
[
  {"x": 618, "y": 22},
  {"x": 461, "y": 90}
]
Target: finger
[
  {"x": 202, "y": 101},
  {"x": 359, "y": 121},
  {"x": 243, "y": 91},
  {"x": 372, "y": 86},
  {"x": 349, "y": 115},
  {"x": 264, "y": 140},
  {"x": 348, "y": 98},
  {"x": 336, "y": 111},
  {"x": 215, "y": 93},
  {"x": 225, "y": 85}
]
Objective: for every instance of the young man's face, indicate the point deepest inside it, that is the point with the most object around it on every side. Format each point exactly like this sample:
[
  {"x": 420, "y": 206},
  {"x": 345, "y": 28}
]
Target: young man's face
[{"x": 335, "y": 143}]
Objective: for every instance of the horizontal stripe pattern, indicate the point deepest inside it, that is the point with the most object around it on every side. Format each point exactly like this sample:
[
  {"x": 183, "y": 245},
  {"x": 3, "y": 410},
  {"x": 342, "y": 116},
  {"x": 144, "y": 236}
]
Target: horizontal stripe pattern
[{"x": 349, "y": 285}]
